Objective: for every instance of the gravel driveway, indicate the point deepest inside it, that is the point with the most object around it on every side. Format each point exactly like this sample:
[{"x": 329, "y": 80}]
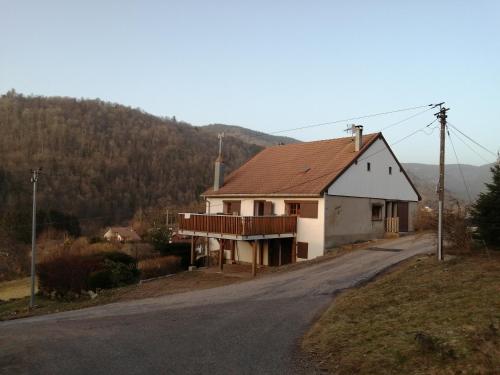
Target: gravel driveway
[{"x": 252, "y": 327}]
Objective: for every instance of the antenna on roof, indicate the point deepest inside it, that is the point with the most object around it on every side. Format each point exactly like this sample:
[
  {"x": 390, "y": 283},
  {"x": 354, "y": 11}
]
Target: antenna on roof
[
  {"x": 351, "y": 128},
  {"x": 220, "y": 136}
]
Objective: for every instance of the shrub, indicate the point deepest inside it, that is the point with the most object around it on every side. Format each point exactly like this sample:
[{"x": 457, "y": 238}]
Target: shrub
[
  {"x": 486, "y": 211},
  {"x": 160, "y": 266},
  {"x": 180, "y": 249},
  {"x": 159, "y": 237},
  {"x": 66, "y": 274},
  {"x": 119, "y": 257},
  {"x": 76, "y": 273},
  {"x": 425, "y": 219},
  {"x": 456, "y": 230},
  {"x": 122, "y": 273},
  {"x": 101, "y": 279},
  {"x": 139, "y": 250}
]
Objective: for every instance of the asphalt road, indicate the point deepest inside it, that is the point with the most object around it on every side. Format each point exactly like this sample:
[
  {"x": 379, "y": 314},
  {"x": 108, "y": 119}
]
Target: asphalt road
[{"x": 249, "y": 328}]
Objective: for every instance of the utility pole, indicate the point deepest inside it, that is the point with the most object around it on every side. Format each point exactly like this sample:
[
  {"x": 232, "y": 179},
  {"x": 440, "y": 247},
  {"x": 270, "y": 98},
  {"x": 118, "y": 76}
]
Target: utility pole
[
  {"x": 34, "y": 180},
  {"x": 441, "y": 115}
]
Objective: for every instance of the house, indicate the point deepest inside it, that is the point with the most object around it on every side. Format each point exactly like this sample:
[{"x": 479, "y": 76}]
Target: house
[
  {"x": 121, "y": 234},
  {"x": 291, "y": 202}
]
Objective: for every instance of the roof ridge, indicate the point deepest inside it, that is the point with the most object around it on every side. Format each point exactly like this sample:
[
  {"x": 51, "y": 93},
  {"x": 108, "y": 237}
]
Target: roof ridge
[{"x": 321, "y": 141}]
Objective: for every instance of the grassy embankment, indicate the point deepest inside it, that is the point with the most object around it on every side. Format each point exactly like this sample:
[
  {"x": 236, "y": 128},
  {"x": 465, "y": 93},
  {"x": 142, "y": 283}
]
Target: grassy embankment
[{"x": 424, "y": 317}]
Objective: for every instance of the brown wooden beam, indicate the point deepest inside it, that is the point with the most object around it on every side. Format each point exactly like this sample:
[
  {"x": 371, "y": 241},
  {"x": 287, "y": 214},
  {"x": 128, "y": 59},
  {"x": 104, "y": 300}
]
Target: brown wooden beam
[
  {"x": 208, "y": 251},
  {"x": 280, "y": 255},
  {"x": 192, "y": 250},
  {"x": 294, "y": 250},
  {"x": 261, "y": 252},
  {"x": 221, "y": 255},
  {"x": 254, "y": 258}
]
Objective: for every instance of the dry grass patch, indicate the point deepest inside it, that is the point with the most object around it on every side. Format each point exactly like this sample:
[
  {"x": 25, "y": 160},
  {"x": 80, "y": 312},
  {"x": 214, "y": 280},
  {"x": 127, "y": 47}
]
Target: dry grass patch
[
  {"x": 15, "y": 289},
  {"x": 423, "y": 318}
]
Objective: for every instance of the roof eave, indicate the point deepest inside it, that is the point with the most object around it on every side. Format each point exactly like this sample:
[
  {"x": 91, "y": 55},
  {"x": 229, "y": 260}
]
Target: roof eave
[{"x": 275, "y": 195}]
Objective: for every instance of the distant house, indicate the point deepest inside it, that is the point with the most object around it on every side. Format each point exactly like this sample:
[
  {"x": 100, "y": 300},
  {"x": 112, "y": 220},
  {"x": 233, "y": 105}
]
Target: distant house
[
  {"x": 121, "y": 234},
  {"x": 291, "y": 202}
]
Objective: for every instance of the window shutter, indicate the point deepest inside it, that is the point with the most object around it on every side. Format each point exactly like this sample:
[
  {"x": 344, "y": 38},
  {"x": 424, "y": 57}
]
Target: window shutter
[
  {"x": 309, "y": 209},
  {"x": 236, "y": 207},
  {"x": 302, "y": 250}
]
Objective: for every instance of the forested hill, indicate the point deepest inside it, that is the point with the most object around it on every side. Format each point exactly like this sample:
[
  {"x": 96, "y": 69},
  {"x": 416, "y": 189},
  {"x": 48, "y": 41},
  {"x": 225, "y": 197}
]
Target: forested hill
[
  {"x": 104, "y": 160},
  {"x": 248, "y": 135}
]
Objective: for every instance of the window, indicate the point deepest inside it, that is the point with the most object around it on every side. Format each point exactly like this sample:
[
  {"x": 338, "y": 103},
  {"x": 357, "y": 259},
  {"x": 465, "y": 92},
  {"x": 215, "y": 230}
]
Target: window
[
  {"x": 263, "y": 208},
  {"x": 307, "y": 209},
  {"x": 390, "y": 170},
  {"x": 232, "y": 207},
  {"x": 376, "y": 212},
  {"x": 294, "y": 209},
  {"x": 258, "y": 208},
  {"x": 368, "y": 167}
]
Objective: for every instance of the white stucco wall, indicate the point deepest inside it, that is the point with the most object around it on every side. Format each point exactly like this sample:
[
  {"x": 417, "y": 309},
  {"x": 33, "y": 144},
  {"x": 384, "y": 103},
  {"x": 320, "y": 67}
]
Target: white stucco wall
[
  {"x": 349, "y": 219},
  {"x": 310, "y": 230},
  {"x": 376, "y": 183}
]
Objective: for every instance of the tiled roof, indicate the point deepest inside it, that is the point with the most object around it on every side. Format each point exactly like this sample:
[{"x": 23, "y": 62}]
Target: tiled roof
[{"x": 306, "y": 168}]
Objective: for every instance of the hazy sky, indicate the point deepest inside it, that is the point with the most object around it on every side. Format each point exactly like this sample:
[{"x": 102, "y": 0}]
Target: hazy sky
[{"x": 269, "y": 65}]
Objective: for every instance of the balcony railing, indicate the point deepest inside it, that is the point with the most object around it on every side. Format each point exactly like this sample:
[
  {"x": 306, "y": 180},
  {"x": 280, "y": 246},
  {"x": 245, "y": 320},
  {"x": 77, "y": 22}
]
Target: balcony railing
[{"x": 237, "y": 225}]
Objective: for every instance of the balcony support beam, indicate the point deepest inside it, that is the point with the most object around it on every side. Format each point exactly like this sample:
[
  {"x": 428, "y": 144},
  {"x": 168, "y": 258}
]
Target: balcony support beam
[
  {"x": 192, "y": 251},
  {"x": 254, "y": 258}
]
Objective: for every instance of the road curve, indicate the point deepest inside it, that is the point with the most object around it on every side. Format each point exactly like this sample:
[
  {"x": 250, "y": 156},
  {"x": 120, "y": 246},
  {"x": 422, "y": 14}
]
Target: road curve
[{"x": 252, "y": 327}]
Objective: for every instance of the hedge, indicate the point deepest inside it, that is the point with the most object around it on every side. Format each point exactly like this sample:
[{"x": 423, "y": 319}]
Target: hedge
[{"x": 77, "y": 273}]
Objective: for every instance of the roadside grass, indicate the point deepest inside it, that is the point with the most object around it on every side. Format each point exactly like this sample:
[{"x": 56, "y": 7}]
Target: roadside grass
[
  {"x": 178, "y": 283},
  {"x": 424, "y": 317},
  {"x": 15, "y": 289}
]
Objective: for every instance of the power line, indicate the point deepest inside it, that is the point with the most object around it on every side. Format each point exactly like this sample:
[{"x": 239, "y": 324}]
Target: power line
[
  {"x": 457, "y": 135},
  {"x": 353, "y": 118},
  {"x": 406, "y": 119},
  {"x": 460, "y": 168},
  {"x": 472, "y": 140}
]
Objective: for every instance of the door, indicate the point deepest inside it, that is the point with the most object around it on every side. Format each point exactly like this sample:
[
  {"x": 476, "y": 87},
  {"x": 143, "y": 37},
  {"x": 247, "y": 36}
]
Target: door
[
  {"x": 280, "y": 255},
  {"x": 403, "y": 213}
]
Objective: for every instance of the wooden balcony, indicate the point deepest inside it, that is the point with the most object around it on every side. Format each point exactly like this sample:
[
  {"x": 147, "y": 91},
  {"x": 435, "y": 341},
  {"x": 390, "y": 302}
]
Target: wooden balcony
[{"x": 237, "y": 227}]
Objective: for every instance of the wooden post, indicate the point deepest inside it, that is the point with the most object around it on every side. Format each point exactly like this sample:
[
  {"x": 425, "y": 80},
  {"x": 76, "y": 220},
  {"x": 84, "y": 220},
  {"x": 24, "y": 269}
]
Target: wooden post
[
  {"x": 221, "y": 254},
  {"x": 279, "y": 248},
  {"x": 294, "y": 250},
  {"x": 208, "y": 251},
  {"x": 233, "y": 249},
  {"x": 261, "y": 252},
  {"x": 192, "y": 250},
  {"x": 254, "y": 258}
]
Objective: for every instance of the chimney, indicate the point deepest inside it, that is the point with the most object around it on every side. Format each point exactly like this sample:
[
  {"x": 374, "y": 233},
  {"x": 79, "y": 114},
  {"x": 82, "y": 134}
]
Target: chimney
[
  {"x": 219, "y": 167},
  {"x": 358, "y": 137}
]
